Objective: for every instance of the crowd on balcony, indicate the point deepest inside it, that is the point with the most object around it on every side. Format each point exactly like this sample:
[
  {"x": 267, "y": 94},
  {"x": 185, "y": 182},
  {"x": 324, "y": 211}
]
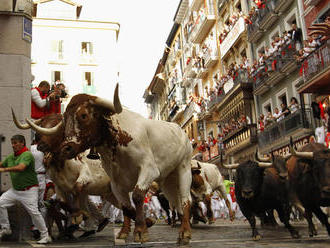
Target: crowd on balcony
[
  {"x": 279, "y": 114},
  {"x": 225, "y": 129},
  {"x": 231, "y": 23}
]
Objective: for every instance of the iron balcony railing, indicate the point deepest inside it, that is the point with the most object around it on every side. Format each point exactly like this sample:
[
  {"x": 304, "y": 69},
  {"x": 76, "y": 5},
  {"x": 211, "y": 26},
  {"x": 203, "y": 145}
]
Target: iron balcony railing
[
  {"x": 275, "y": 68},
  {"x": 284, "y": 128},
  {"x": 316, "y": 62}
]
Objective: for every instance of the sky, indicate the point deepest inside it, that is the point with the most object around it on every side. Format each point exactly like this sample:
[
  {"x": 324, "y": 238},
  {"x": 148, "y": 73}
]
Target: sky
[{"x": 144, "y": 28}]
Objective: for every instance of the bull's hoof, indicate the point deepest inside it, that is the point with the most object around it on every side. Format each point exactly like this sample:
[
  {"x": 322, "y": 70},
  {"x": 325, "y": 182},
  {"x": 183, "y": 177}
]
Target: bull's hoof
[
  {"x": 122, "y": 235},
  {"x": 257, "y": 237},
  {"x": 295, "y": 234},
  {"x": 150, "y": 222},
  {"x": 312, "y": 232},
  {"x": 211, "y": 221},
  {"x": 184, "y": 238},
  {"x": 141, "y": 237}
]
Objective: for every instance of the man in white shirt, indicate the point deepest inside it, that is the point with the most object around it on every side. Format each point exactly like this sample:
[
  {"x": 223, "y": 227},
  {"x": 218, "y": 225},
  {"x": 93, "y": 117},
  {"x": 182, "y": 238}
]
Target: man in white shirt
[
  {"x": 40, "y": 100},
  {"x": 277, "y": 115},
  {"x": 41, "y": 175}
]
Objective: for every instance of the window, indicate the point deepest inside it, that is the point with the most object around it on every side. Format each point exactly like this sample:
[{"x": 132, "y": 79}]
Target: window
[
  {"x": 57, "y": 49},
  {"x": 57, "y": 76},
  {"x": 268, "y": 108},
  {"x": 89, "y": 78},
  {"x": 86, "y": 48},
  {"x": 292, "y": 16},
  {"x": 283, "y": 99}
]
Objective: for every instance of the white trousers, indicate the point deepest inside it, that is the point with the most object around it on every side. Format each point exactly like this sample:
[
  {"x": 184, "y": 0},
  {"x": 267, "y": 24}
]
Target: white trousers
[
  {"x": 41, "y": 193},
  {"x": 29, "y": 199}
]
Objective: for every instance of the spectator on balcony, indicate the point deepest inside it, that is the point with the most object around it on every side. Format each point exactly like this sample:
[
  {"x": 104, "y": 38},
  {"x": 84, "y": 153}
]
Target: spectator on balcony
[
  {"x": 296, "y": 35},
  {"x": 287, "y": 37},
  {"x": 211, "y": 141},
  {"x": 285, "y": 110},
  {"x": 301, "y": 55},
  {"x": 314, "y": 42},
  {"x": 203, "y": 146},
  {"x": 261, "y": 61},
  {"x": 245, "y": 62},
  {"x": 261, "y": 122},
  {"x": 226, "y": 129},
  {"x": 294, "y": 105},
  {"x": 277, "y": 114},
  {"x": 269, "y": 119}
]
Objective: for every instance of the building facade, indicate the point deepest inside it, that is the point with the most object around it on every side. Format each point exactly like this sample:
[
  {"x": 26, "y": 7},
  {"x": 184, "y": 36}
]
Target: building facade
[
  {"x": 68, "y": 49},
  {"x": 227, "y": 69}
]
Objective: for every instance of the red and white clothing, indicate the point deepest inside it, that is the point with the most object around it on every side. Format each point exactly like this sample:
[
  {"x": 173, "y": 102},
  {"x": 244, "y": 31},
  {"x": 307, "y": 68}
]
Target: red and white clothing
[{"x": 38, "y": 103}]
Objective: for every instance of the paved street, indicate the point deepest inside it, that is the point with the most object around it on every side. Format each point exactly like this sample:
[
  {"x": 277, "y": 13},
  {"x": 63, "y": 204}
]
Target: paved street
[{"x": 221, "y": 234}]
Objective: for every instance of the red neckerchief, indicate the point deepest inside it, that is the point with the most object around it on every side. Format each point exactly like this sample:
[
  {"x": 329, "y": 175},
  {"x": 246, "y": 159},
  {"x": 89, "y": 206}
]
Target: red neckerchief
[{"x": 24, "y": 149}]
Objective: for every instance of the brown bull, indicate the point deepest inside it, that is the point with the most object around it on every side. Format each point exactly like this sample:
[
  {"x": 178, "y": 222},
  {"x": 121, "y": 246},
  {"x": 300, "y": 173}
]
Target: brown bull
[{"x": 309, "y": 179}]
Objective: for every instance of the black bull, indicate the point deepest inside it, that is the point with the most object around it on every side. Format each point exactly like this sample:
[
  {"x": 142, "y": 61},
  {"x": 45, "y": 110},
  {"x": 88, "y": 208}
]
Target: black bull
[{"x": 258, "y": 190}]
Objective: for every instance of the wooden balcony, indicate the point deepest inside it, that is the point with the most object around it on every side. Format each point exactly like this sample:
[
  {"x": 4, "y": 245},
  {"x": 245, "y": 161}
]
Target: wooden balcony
[{"x": 240, "y": 138}]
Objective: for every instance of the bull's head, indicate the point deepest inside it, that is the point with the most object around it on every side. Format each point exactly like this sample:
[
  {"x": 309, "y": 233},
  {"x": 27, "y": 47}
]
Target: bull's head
[
  {"x": 84, "y": 123},
  {"x": 249, "y": 176},
  {"x": 315, "y": 158},
  {"x": 197, "y": 179}
]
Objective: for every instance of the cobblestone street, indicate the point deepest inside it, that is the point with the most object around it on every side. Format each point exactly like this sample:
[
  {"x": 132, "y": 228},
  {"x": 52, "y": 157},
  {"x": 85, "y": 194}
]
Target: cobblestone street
[{"x": 222, "y": 234}]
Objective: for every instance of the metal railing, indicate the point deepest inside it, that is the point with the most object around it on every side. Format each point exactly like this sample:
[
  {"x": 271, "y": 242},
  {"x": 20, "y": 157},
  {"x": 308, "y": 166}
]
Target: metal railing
[
  {"x": 316, "y": 62},
  {"x": 275, "y": 64},
  {"x": 285, "y": 127}
]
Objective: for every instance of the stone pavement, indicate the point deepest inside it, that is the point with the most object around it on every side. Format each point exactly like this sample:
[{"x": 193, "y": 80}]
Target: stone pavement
[{"x": 221, "y": 234}]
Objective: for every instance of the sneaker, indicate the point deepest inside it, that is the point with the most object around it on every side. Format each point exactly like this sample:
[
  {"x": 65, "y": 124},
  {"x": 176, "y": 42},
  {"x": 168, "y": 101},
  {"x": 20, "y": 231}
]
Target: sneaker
[
  {"x": 45, "y": 240},
  {"x": 4, "y": 232}
]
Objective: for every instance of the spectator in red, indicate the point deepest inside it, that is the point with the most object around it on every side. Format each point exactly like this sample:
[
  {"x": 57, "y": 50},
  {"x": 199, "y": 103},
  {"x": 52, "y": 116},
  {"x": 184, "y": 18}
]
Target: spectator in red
[
  {"x": 40, "y": 100},
  {"x": 261, "y": 123}
]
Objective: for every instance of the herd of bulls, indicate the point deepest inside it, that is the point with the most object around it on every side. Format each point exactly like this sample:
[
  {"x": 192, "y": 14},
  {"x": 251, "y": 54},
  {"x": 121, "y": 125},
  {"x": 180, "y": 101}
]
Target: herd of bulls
[{"x": 135, "y": 152}]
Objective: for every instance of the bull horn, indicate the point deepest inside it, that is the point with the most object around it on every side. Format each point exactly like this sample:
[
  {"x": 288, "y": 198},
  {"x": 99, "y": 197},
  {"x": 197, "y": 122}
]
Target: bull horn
[
  {"x": 264, "y": 164},
  {"x": 45, "y": 131},
  {"x": 303, "y": 154},
  {"x": 198, "y": 166},
  {"x": 299, "y": 154},
  {"x": 21, "y": 125},
  {"x": 114, "y": 107},
  {"x": 287, "y": 156},
  {"x": 116, "y": 100},
  {"x": 230, "y": 166},
  {"x": 258, "y": 158}
]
